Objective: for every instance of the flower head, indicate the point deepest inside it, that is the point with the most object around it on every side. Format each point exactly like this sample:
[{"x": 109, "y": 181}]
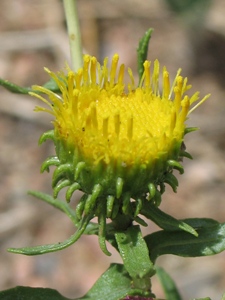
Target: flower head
[{"x": 116, "y": 142}]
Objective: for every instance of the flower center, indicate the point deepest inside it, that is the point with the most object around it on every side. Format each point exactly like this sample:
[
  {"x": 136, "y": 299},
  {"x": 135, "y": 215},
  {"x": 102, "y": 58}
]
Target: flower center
[{"x": 105, "y": 122}]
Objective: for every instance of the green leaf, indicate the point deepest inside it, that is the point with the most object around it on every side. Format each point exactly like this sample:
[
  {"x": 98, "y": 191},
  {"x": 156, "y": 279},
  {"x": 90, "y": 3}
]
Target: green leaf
[
  {"x": 142, "y": 51},
  {"x": 28, "y": 293},
  {"x": 91, "y": 229},
  {"x": 114, "y": 284},
  {"x": 52, "y": 86},
  {"x": 210, "y": 240},
  {"x": 54, "y": 247},
  {"x": 61, "y": 205},
  {"x": 164, "y": 221},
  {"x": 134, "y": 253},
  {"x": 169, "y": 286},
  {"x": 14, "y": 88}
]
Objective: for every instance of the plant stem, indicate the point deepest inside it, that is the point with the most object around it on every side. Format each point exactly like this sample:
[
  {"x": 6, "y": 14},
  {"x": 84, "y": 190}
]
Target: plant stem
[{"x": 70, "y": 7}]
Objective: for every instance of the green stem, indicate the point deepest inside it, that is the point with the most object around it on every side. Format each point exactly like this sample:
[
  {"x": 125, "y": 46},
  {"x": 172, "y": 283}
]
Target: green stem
[
  {"x": 121, "y": 222},
  {"x": 70, "y": 7}
]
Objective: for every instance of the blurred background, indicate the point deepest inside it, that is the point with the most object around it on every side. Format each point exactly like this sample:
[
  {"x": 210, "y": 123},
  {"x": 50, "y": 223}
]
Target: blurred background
[{"x": 188, "y": 34}]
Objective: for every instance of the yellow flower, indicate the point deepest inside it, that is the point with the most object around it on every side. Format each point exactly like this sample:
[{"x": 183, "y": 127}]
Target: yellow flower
[{"x": 116, "y": 142}]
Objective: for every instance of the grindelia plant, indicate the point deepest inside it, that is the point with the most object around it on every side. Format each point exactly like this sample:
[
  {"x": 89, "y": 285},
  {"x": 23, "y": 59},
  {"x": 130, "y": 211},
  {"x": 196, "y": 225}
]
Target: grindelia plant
[{"x": 119, "y": 144}]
